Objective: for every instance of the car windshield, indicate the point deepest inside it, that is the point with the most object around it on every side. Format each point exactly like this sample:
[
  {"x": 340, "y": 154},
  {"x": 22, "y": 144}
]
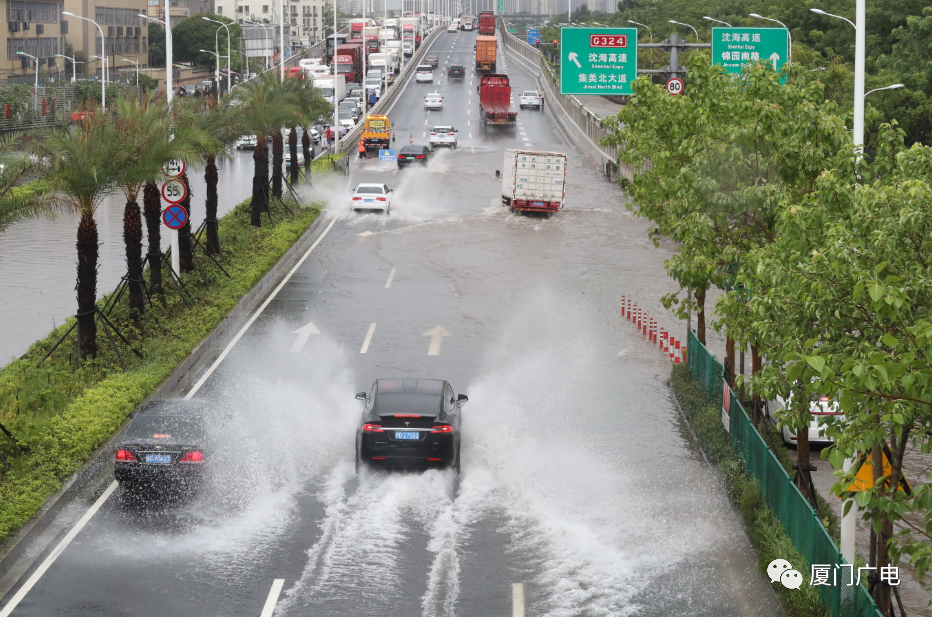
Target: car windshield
[
  {"x": 372, "y": 190},
  {"x": 406, "y": 403},
  {"x": 175, "y": 427},
  {"x": 412, "y": 150},
  {"x": 530, "y": 93},
  {"x": 443, "y": 129}
]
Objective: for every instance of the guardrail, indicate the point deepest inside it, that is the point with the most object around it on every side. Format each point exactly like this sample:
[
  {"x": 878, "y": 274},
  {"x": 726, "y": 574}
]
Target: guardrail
[
  {"x": 589, "y": 124},
  {"x": 349, "y": 141}
]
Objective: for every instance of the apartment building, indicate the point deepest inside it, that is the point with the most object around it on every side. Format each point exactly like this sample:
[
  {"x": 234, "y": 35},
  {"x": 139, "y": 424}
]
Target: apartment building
[{"x": 304, "y": 19}]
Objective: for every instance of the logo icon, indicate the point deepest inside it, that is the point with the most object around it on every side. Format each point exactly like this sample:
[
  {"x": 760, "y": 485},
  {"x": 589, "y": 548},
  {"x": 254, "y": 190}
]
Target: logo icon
[
  {"x": 792, "y": 579},
  {"x": 782, "y": 570}
]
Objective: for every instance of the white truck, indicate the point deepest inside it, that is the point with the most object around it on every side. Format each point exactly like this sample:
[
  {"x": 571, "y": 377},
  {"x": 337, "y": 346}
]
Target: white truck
[
  {"x": 534, "y": 181},
  {"x": 384, "y": 62},
  {"x": 330, "y": 85}
]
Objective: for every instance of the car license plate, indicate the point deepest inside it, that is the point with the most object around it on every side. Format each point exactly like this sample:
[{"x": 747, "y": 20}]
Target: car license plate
[
  {"x": 538, "y": 203},
  {"x": 158, "y": 458},
  {"x": 368, "y": 201},
  {"x": 405, "y": 435}
]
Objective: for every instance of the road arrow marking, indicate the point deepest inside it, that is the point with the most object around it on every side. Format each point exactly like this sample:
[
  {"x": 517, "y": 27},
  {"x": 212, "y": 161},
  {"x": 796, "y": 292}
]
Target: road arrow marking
[
  {"x": 773, "y": 58},
  {"x": 303, "y": 333},
  {"x": 365, "y": 343},
  {"x": 572, "y": 58},
  {"x": 364, "y": 235},
  {"x": 436, "y": 339}
]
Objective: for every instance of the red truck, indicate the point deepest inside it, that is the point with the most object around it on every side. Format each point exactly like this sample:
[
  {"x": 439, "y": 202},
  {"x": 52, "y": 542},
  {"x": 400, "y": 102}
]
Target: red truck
[
  {"x": 495, "y": 99},
  {"x": 349, "y": 61},
  {"x": 487, "y": 23}
]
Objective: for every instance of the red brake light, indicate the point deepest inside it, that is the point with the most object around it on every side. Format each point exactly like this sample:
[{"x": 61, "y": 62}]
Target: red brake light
[
  {"x": 407, "y": 415},
  {"x": 432, "y": 134},
  {"x": 192, "y": 457},
  {"x": 380, "y": 199},
  {"x": 371, "y": 428},
  {"x": 125, "y": 455},
  {"x": 356, "y": 198},
  {"x": 449, "y": 134},
  {"x": 420, "y": 156},
  {"x": 435, "y": 459},
  {"x": 442, "y": 428}
]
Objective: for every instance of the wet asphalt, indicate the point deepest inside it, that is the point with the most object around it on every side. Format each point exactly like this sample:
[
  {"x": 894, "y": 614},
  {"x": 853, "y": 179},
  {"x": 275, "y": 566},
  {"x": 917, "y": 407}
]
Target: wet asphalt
[{"x": 582, "y": 492}]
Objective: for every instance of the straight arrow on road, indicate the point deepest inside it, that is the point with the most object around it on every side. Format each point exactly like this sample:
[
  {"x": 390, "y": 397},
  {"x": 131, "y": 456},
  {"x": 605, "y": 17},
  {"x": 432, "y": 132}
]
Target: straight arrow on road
[
  {"x": 304, "y": 333},
  {"x": 436, "y": 339}
]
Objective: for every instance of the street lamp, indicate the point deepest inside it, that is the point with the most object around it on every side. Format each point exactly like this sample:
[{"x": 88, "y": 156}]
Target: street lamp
[
  {"x": 105, "y": 62},
  {"x": 74, "y": 67},
  {"x": 137, "y": 69},
  {"x": 678, "y": 23},
  {"x": 169, "y": 88},
  {"x": 229, "y": 47},
  {"x": 893, "y": 87},
  {"x": 205, "y": 51},
  {"x": 35, "y": 93},
  {"x": 651, "y": 34},
  {"x": 789, "y": 37},
  {"x": 103, "y": 50},
  {"x": 718, "y": 21},
  {"x": 821, "y": 12}
]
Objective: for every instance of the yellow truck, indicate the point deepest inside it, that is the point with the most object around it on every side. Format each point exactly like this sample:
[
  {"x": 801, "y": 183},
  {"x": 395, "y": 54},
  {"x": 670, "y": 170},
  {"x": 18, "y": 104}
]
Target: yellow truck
[{"x": 377, "y": 132}]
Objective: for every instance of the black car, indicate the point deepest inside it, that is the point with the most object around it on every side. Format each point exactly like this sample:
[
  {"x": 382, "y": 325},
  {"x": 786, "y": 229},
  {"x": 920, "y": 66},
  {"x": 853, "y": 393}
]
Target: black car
[
  {"x": 456, "y": 71},
  {"x": 410, "y": 423},
  {"x": 410, "y": 155},
  {"x": 164, "y": 446}
]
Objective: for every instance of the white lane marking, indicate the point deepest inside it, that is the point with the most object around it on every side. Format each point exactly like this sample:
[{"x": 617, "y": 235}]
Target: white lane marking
[
  {"x": 365, "y": 343},
  {"x": 391, "y": 277},
  {"x": 468, "y": 123},
  {"x": 472, "y": 148},
  {"x": 304, "y": 333},
  {"x": 425, "y": 121},
  {"x": 424, "y": 134},
  {"x": 239, "y": 335},
  {"x": 58, "y": 551},
  {"x": 470, "y": 135},
  {"x": 436, "y": 339},
  {"x": 517, "y": 600},
  {"x": 272, "y": 600},
  {"x": 527, "y": 145},
  {"x": 469, "y": 102}
]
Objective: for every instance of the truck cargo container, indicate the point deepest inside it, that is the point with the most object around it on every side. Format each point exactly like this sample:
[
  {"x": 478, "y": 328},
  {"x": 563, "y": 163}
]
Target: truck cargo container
[
  {"x": 495, "y": 100},
  {"x": 486, "y": 53},
  {"x": 349, "y": 61},
  {"x": 487, "y": 23},
  {"x": 331, "y": 86},
  {"x": 534, "y": 181}
]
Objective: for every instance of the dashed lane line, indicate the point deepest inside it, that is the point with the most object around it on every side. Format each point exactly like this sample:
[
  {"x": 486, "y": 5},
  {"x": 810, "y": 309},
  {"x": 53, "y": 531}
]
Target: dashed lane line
[
  {"x": 272, "y": 600},
  {"x": 365, "y": 343},
  {"x": 391, "y": 277},
  {"x": 517, "y": 600}
]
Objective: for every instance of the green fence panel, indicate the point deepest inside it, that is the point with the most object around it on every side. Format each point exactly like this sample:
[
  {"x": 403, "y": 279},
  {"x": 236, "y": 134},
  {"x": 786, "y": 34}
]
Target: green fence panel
[{"x": 800, "y": 521}]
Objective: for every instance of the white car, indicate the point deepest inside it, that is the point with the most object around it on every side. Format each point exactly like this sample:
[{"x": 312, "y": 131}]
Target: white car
[
  {"x": 820, "y": 407},
  {"x": 433, "y": 101},
  {"x": 246, "y": 142},
  {"x": 372, "y": 197},
  {"x": 288, "y": 158},
  {"x": 425, "y": 73},
  {"x": 443, "y": 136},
  {"x": 467, "y": 26},
  {"x": 451, "y": 28},
  {"x": 530, "y": 98}
]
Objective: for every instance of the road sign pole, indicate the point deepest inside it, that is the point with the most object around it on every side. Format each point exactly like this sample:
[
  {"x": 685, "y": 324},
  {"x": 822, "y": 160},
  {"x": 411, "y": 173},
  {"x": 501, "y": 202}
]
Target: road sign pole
[
  {"x": 176, "y": 253},
  {"x": 848, "y": 523}
]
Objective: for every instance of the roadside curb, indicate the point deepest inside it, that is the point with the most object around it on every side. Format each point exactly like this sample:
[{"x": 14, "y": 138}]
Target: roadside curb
[{"x": 90, "y": 480}]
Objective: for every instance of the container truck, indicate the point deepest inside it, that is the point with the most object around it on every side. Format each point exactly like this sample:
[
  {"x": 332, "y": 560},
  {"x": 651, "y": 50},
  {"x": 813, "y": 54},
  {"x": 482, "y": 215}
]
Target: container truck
[
  {"x": 331, "y": 86},
  {"x": 487, "y": 23},
  {"x": 349, "y": 61},
  {"x": 332, "y": 41},
  {"x": 534, "y": 181},
  {"x": 468, "y": 22},
  {"x": 495, "y": 100},
  {"x": 486, "y": 52},
  {"x": 377, "y": 132}
]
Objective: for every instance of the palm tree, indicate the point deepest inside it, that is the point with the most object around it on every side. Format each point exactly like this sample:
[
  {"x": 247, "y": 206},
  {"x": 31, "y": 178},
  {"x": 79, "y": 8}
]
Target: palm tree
[
  {"x": 81, "y": 168},
  {"x": 152, "y": 204},
  {"x": 311, "y": 106},
  {"x": 266, "y": 106},
  {"x": 17, "y": 204}
]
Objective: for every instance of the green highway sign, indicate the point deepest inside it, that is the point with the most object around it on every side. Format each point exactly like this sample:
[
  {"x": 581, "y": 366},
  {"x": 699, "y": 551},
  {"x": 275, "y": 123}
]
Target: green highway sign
[
  {"x": 501, "y": 7},
  {"x": 734, "y": 47},
  {"x": 598, "y": 60}
]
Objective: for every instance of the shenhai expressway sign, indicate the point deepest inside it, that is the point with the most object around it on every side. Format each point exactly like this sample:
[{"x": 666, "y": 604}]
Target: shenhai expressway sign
[
  {"x": 598, "y": 60},
  {"x": 733, "y": 48}
]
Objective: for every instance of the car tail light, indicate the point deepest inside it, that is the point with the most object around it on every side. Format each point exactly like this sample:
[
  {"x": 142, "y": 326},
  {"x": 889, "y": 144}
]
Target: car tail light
[
  {"x": 442, "y": 428},
  {"x": 407, "y": 415},
  {"x": 192, "y": 457},
  {"x": 433, "y": 134},
  {"x": 126, "y": 455},
  {"x": 420, "y": 156},
  {"x": 371, "y": 428},
  {"x": 449, "y": 134},
  {"x": 380, "y": 199},
  {"x": 356, "y": 198},
  {"x": 435, "y": 459},
  {"x": 378, "y": 458}
]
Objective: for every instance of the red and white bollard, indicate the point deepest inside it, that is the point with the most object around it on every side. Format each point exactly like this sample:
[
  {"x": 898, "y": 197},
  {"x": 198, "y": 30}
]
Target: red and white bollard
[
  {"x": 672, "y": 349},
  {"x": 622, "y": 306},
  {"x": 676, "y": 359}
]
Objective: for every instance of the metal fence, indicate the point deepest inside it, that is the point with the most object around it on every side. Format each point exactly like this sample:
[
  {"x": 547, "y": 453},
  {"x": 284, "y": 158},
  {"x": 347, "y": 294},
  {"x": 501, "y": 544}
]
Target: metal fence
[{"x": 800, "y": 521}]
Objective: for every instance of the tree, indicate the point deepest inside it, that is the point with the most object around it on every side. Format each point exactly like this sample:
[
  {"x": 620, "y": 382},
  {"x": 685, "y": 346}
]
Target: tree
[
  {"x": 79, "y": 165},
  {"x": 17, "y": 204},
  {"x": 193, "y": 34},
  {"x": 156, "y": 45}
]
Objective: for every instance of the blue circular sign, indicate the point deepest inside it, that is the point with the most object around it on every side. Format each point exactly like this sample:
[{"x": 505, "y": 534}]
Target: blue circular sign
[{"x": 175, "y": 217}]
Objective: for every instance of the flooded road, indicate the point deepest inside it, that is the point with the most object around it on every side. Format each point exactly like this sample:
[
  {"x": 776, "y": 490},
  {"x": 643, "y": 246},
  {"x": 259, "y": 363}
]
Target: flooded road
[{"x": 581, "y": 492}]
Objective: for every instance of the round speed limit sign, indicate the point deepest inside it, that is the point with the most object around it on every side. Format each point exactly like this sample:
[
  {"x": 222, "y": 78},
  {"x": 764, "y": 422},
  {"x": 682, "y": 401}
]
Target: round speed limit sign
[
  {"x": 675, "y": 86},
  {"x": 174, "y": 169},
  {"x": 174, "y": 191}
]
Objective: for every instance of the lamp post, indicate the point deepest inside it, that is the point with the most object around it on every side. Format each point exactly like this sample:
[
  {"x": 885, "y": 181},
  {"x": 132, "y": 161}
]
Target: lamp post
[
  {"x": 35, "y": 93},
  {"x": 336, "y": 103},
  {"x": 651, "y": 34},
  {"x": 74, "y": 67},
  {"x": 103, "y": 50},
  {"x": 718, "y": 21},
  {"x": 281, "y": 36},
  {"x": 678, "y": 23},
  {"x": 169, "y": 89},
  {"x": 137, "y": 69},
  {"x": 229, "y": 47},
  {"x": 205, "y": 51},
  {"x": 103, "y": 59},
  {"x": 893, "y": 87},
  {"x": 789, "y": 51}
]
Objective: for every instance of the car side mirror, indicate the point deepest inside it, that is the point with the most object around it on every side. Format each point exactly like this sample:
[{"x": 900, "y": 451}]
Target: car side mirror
[
  {"x": 361, "y": 396},
  {"x": 462, "y": 398}
]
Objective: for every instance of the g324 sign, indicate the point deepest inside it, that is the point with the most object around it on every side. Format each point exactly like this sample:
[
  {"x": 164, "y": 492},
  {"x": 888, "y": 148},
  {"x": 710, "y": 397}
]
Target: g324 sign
[{"x": 611, "y": 40}]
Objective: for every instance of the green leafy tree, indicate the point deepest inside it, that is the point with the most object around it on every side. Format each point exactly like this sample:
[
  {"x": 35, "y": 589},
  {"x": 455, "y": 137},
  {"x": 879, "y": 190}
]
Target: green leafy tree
[
  {"x": 156, "y": 45},
  {"x": 193, "y": 34},
  {"x": 17, "y": 204}
]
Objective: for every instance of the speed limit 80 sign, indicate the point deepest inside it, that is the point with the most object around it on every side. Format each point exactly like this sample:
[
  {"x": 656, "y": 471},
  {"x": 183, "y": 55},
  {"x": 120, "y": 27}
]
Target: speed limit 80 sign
[{"x": 675, "y": 86}]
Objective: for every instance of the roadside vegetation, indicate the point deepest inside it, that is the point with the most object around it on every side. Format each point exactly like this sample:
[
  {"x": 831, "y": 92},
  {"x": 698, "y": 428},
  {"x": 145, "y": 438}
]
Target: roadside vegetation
[
  {"x": 822, "y": 254},
  {"x": 71, "y": 391}
]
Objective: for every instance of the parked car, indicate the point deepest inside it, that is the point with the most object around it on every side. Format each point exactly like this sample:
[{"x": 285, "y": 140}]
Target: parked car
[
  {"x": 246, "y": 142},
  {"x": 411, "y": 155},
  {"x": 456, "y": 71},
  {"x": 821, "y": 407},
  {"x": 424, "y": 73},
  {"x": 372, "y": 197},
  {"x": 433, "y": 101},
  {"x": 443, "y": 136},
  {"x": 288, "y": 158}
]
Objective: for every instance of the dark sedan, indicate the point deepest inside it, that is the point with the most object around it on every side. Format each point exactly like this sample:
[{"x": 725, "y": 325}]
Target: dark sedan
[
  {"x": 409, "y": 423},
  {"x": 456, "y": 71},
  {"x": 410, "y": 155},
  {"x": 164, "y": 447}
]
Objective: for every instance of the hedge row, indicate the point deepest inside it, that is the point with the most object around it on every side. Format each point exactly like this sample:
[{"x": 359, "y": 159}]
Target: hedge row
[{"x": 62, "y": 411}]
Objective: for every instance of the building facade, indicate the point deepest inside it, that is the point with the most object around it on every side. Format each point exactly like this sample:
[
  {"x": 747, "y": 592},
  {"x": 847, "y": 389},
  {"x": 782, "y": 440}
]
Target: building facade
[{"x": 304, "y": 19}]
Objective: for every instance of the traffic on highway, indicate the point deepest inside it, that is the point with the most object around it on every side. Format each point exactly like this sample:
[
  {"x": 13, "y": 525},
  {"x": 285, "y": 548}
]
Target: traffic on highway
[{"x": 437, "y": 412}]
